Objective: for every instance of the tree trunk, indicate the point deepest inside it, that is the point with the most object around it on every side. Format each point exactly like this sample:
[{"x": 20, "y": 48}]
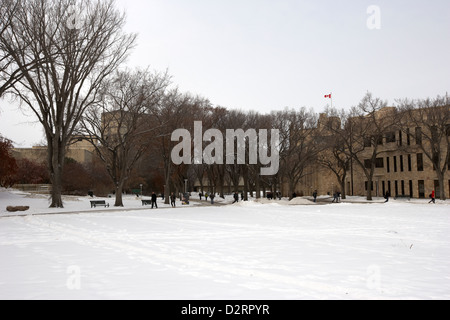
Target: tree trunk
[
  {"x": 221, "y": 189},
  {"x": 245, "y": 172},
  {"x": 291, "y": 189},
  {"x": 119, "y": 195},
  {"x": 441, "y": 185},
  {"x": 167, "y": 179},
  {"x": 56, "y": 156},
  {"x": 343, "y": 192},
  {"x": 258, "y": 187},
  {"x": 167, "y": 191},
  {"x": 369, "y": 189},
  {"x": 56, "y": 180}
]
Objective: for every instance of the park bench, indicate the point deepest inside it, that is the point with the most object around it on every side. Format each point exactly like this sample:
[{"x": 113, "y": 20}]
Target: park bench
[
  {"x": 100, "y": 203},
  {"x": 146, "y": 202}
]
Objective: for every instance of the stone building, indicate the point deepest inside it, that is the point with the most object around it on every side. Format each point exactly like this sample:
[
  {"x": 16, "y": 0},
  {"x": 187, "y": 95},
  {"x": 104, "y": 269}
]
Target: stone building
[
  {"x": 401, "y": 167},
  {"x": 80, "y": 150}
]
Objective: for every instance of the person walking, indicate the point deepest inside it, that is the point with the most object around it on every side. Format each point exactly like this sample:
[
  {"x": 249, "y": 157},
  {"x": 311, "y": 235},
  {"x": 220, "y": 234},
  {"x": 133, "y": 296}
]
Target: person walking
[
  {"x": 154, "y": 198},
  {"x": 387, "y": 196},
  {"x": 335, "y": 197},
  {"x": 236, "y": 197},
  {"x": 315, "y": 196},
  {"x": 206, "y": 196},
  {"x": 200, "y": 195},
  {"x": 433, "y": 197},
  {"x": 173, "y": 198},
  {"x": 212, "y": 196}
]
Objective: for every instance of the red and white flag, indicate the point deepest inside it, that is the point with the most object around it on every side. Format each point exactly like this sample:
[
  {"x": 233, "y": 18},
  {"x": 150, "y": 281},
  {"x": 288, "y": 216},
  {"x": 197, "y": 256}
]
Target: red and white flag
[{"x": 328, "y": 96}]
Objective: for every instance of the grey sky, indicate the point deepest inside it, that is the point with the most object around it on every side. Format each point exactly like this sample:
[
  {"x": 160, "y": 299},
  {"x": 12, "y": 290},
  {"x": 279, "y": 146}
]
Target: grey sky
[{"x": 267, "y": 55}]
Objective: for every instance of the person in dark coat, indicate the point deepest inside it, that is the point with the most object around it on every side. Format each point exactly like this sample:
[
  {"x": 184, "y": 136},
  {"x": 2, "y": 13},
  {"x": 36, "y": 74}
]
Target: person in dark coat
[
  {"x": 387, "y": 196},
  {"x": 154, "y": 198},
  {"x": 236, "y": 197},
  {"x": 315, "y": 196},
  {"x": 173, "y": 198},
  {"x": 335, "y": 197},
  {"x": 212, "y": 196}
]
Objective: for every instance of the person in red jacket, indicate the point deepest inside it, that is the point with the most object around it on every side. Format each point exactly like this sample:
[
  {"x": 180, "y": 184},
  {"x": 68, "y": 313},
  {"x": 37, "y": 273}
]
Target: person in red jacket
[{"x": 433, "y": 197}]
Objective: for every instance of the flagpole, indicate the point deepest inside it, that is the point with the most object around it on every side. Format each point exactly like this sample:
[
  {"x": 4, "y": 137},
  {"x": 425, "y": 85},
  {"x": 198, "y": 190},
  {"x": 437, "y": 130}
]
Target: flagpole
[{"x": 332, "y": 100}]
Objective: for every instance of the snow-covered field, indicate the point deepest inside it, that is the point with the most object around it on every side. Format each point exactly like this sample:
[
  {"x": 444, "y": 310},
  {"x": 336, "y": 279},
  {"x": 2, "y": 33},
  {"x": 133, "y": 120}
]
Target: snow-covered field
[{"x": 244, "y": 251}]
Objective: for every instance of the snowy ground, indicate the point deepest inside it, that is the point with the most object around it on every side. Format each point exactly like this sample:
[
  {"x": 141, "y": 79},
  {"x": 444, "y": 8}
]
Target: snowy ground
[{"x": 250, "y": 250}]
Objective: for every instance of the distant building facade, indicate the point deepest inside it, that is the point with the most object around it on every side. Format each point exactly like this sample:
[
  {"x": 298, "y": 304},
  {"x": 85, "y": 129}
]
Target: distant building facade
[
  {"x": 80, "y": 150},
  {"x": 401, "y": 168}
]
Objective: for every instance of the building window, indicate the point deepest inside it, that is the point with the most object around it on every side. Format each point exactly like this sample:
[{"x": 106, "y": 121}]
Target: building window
[
  {"x": 396, "y": 188},
  {"x": 419, "y": 136},
  {"x": 437, "y": 189},
  {"x": 448, "y": 160},
  {"x": 419, "y": 162},
  {"x": 435, "y": 160},
  {"x": 367, "y": 142},
  {"x": 379, "y": 140},
  {"x": 421, "y": 189},
  {"x": 367, "y": 185},
  {"x": 388, "y": 164},
  {"x": 409, "y": 163},
  {"x": 401, "y": 164},
  {"x": 411, "y": 193},
  {"x": 448, "y": 130},
  {"x": 390, "y": 137},
  {"x": 400, "y": 138},
  {"x": 403, "y": 187},
  {"x": 435, "y": 134},
  {"x": 408, "y": 137},
  {"x": 379, "y": 163},
  {"x": 395, "y": 164}
]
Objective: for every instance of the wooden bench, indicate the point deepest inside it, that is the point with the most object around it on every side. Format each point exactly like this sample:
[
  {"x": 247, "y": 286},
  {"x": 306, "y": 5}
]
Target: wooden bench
[
  {"x": 100, "y": 203},
  {"x": 146, "y": 202}
]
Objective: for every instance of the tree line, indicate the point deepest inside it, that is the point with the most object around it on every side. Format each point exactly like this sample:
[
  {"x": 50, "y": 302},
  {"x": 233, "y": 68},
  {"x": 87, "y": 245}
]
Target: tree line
[{"x": 71, "y": 76}]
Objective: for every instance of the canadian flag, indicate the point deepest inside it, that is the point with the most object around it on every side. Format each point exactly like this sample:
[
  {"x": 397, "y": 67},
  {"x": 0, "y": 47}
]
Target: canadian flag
[{"x": 328, "y": 96}]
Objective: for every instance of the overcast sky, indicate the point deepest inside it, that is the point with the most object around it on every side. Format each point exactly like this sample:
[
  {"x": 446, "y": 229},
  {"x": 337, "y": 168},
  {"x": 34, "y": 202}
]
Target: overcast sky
[{"x": 266, "y": 55}]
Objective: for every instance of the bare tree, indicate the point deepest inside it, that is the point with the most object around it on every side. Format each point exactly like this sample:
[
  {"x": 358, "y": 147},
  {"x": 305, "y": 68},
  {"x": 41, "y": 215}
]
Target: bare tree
[
  {"x": 335, "y": 156},
  {"x": 426, "y": 123},
  {"x": 118, "y": 126},
  {"x": 363, "y": 135},
  {"x": 215, "y": 118},
  {"x": 77, "y": 43},
  {"x": 299, "y": 145},
  {"x": 235, "y": 119},
  {"x": 175, "y": 111},
  {"x": 8, "y": 74}
]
